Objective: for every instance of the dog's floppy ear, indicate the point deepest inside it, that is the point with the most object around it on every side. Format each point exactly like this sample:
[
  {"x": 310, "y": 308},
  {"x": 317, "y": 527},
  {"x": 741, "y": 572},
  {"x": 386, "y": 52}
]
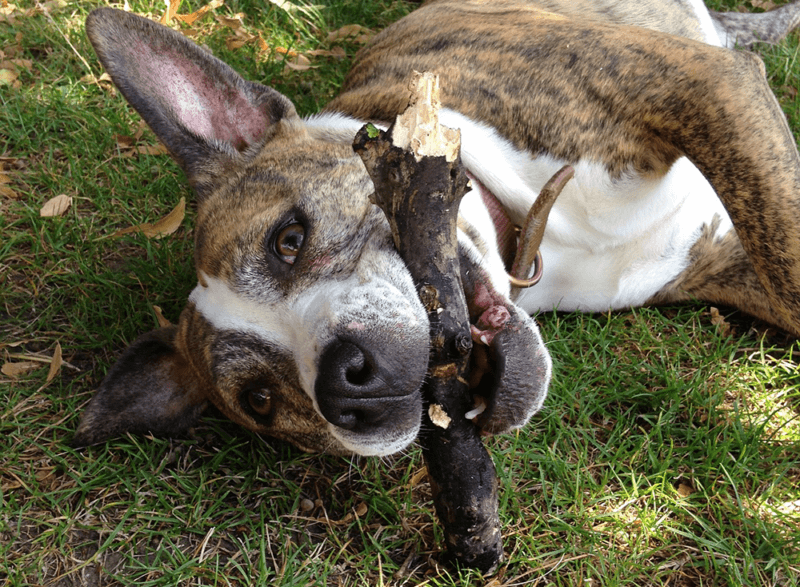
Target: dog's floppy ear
[
  {"x": 151, "y": 389},
  {"x": 202, "y": 110}
]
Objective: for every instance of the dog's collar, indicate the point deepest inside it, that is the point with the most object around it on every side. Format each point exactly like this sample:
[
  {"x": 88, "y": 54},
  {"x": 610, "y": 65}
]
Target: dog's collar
[{"x": 508, "y": 237}]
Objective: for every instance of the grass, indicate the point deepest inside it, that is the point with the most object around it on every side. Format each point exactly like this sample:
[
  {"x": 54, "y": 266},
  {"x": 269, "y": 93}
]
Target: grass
[{"x": 667, "y": 453}]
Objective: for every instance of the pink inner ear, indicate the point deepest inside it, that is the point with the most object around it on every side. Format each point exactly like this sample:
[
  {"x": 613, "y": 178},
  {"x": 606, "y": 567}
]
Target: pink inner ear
[{"x": 207, "y": 106}]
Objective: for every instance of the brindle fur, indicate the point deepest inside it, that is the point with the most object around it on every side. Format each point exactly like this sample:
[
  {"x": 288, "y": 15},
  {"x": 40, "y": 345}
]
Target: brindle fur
[
  {"x": 631, "y": 108},
  {"x": 625, "y": 86}
]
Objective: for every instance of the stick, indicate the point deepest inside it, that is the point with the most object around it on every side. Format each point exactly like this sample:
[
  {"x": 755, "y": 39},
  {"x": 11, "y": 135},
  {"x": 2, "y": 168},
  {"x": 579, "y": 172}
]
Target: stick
[{"x": 419, "y": 182}]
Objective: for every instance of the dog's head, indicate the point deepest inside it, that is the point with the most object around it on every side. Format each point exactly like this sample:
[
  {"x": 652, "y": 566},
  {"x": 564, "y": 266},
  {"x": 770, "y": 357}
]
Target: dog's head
[{"x": 305, "y": 323}]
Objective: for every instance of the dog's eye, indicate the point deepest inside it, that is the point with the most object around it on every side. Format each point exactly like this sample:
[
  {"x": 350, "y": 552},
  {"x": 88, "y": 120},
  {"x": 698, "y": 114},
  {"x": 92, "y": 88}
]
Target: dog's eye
[
  {"x": 260, "y": 400},
  {"x": 289, "y": 241}
]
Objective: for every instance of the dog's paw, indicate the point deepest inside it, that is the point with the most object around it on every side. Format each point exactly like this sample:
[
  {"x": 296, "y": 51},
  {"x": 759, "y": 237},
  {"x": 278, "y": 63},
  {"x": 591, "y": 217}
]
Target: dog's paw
[{"x": 510, "y": 368}]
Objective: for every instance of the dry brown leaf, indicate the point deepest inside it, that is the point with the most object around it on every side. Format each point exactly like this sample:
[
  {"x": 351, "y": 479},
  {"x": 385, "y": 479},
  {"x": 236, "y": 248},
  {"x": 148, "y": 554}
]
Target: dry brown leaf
[
  {"x": 237, "y": 42},
  {"x": 765, "y": 4},
  {"x": 285, "y": 51},
  {"x": 298, "y": 63},
  {"x": 55, "y": 363},
  {"x": 234, "y": 22},
  {"x": 56, "y": 206},
  {"x": 199, "y": 13},
  {"x": 15, "y": 370},
  {"x": 718, "y": 320},
  {"x": 7, "y": 192},
  {"x": 124, "y": 141},
  {"x": 351, "y": 32},
  {"x": 337, "y": 52},
  {"x": 7, "y": 77},
  {"x": 419, "y": 476},
  {"x": 162, "y": 321},
  {"x": 93, "y": 79},
  {"x": 163, "y": 227},
  {"x": 158, "y": 149},
  {"x": 171, "y": 10},
  {"x": 16, "y": 64}
]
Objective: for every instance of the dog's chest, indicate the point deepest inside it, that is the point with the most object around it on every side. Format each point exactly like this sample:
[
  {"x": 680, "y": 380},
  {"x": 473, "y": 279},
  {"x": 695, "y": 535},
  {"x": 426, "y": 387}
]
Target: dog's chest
[{"x": 609, "y": 243}]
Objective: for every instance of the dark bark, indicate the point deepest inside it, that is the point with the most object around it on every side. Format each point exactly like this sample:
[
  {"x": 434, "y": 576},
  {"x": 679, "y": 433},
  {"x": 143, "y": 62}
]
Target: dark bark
[{"x": 421, "y": 199}]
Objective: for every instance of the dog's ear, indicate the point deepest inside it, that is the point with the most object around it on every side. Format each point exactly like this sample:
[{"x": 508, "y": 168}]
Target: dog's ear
[
  {"x": 207, "y": 115},
  {"x": 151, "y": 389}
]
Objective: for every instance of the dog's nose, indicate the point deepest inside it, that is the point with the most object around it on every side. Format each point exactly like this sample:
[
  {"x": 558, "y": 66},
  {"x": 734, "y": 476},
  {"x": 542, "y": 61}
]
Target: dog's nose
[{"x": 360, "y": 392}]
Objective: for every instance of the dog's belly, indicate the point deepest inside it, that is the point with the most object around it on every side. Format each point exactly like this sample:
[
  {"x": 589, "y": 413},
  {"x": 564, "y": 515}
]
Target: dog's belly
[{"x": 609, "y": 243}]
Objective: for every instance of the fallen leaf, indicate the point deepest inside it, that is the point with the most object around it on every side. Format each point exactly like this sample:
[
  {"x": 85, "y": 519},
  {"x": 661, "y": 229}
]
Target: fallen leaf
[
  {"x": 56, "y": 206},
  {"x": 718, "y": 320},
  {"x": 351, "y": 32},
  {"x": 236, "y": 42},
  {"x": 234, "y": 22},
  {"x": 124, "y": 141},
  {"x": 764, "y": 4},
  {"x": 337, "y": 52},
  {"x": 7, "y": 192},
  {"x": 55, "y": 363},
  {"x": 199, "y": 13},
  {"x": 285, "y": 51},
  {"x": 7, "y": 77},
  {"x": 15, "y": 65},
  {"x": 15, "y": 370},
  {"x": 298, "y": 63},
  {"x": 92, "y": 79},
  {"x": 170, "y": 10},
  {"x": 163, "y": 227},
  {"x": 162, "y": 321},
  {"x": 158, "y": 149},
  {"x": 419, "y": 476}
]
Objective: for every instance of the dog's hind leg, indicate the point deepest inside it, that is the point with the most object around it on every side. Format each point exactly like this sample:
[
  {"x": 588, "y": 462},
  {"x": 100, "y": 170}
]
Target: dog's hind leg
[
  {"x": 744, "y": 29},
  {"x": 720, "y": 272}
]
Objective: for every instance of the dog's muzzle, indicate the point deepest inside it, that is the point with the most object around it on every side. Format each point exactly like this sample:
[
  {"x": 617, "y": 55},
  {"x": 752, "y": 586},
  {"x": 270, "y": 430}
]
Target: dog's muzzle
[
  {"x": 365, "y": 392},
  {"x": 371, "y": 395}
]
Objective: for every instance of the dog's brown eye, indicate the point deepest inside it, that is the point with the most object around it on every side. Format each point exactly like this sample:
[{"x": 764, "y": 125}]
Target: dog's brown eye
[
  {"x": 260, "y": 400},
  {"x": 289, "y": 241}
]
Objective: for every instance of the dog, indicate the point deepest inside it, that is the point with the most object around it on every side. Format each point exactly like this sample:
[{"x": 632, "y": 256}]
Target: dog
[{"x": 305, "y": 324}]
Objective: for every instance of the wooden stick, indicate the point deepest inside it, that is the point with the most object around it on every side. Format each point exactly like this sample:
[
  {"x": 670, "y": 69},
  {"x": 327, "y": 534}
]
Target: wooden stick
[{"x": 419, "y": 182}]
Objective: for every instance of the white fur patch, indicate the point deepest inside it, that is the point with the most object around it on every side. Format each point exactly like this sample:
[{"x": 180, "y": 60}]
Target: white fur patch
[
  {"x": 227, "y": 310},
  {"x": 710, "y": 35}
]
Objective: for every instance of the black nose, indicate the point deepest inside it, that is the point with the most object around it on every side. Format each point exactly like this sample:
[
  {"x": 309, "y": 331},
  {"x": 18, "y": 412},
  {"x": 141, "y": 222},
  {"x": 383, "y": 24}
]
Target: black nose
[{"x": 359, "y": 392}]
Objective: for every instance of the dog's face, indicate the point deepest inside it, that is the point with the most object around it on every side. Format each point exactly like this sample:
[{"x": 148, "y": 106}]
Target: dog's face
[
  {"x": 305, "y": 323},
  {"x": 301, "y": 293}
]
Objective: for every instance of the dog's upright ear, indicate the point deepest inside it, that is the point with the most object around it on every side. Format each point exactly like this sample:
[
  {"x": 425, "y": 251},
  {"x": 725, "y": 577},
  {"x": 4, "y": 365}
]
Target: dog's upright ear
[
  {"x": 206, "y": 114},
  {"x": 151, "y": 389}
]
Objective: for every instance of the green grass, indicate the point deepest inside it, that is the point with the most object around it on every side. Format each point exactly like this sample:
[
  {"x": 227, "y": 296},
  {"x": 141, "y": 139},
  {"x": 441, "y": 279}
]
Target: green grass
[{"x": 667, "y": 453}]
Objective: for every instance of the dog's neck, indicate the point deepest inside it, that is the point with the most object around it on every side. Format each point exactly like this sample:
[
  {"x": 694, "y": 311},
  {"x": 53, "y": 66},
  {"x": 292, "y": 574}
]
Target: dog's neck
[{"x": 506, "y": 230}]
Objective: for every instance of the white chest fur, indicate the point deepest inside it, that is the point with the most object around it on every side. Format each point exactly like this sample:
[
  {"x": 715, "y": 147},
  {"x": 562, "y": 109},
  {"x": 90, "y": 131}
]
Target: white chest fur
[{"x": 609, "y": 243}]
